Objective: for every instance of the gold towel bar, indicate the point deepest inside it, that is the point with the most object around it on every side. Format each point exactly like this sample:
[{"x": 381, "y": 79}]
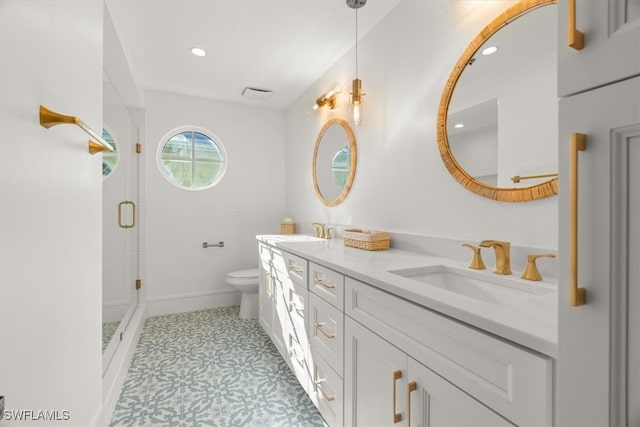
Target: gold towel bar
[
  {"x": 50, "y": 118},
  {"x": 518, "y": 178}
]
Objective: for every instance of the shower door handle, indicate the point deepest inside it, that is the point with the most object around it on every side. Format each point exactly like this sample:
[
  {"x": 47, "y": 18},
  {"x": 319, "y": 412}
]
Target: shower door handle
[{"x": 133, "y": 217}]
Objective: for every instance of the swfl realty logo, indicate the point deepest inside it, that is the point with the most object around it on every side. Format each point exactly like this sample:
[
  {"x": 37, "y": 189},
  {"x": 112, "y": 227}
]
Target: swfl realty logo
[{"x": 36, "y": 415}]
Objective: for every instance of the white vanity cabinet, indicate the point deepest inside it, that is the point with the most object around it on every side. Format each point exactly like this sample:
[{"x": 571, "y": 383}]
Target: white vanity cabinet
[
  {"x": 611, "y": 49},
  {"x": 483, "y": 372},
  {"x": 370, "y": 358},
  {"x": 326, "y": 341},
  {"x": 598, "y": 377},
  {"x": 384, "y": 386},
  {"x": 283, "y": 299}
]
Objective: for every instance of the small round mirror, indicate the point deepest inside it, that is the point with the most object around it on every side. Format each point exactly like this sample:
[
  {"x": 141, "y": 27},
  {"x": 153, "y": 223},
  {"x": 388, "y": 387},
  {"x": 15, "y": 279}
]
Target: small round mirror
[{"x": 334, "y": 162}]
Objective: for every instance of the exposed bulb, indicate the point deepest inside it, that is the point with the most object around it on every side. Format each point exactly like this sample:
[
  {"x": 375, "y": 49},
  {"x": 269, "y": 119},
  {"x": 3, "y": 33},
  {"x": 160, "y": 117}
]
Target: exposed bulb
[{"x": 356, "y": 114}]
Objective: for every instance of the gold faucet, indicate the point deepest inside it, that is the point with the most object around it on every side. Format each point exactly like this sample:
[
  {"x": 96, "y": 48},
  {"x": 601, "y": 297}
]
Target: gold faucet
[
  {"x": 502, "y": 250},
  {"x": 323, "y": 231},
  {"x": 531, "y": 271},
  {"x": 320, "y": 232}
]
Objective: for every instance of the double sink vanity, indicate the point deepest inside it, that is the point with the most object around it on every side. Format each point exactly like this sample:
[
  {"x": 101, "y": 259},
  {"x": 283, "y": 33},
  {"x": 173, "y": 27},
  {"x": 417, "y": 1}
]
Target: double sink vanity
[{"x": 401, "y": 338}]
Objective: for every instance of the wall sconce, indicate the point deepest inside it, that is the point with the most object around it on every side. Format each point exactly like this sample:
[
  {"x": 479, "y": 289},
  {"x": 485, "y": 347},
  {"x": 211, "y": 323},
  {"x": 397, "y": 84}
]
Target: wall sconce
[
  {"x": 356, "y": 86},
  {"x": 328, "y": 99}
]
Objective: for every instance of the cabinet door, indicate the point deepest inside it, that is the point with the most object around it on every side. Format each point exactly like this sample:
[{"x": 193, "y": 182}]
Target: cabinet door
[
  {"x": 265, "y": 300},
  {"x": 280, "y": 315},
  {"x": 434, "y": 401},
  {"x": 611, "y": 44},
  {"x": 592, "y": 359},
  {"x": 374, "y": 379}
]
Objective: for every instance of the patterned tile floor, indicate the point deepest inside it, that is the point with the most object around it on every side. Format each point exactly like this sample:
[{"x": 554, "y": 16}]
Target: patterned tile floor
[{"x": 210, "y": 368}]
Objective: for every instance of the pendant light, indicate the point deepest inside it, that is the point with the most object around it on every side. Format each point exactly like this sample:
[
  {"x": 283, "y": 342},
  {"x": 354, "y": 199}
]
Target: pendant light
[{"x": 356, "y": 85}]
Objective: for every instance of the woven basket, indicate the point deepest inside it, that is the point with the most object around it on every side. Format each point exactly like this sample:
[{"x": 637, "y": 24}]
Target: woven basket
[
  {"x": 287, "y": 228},
  {"x": 367, "y": 240}
]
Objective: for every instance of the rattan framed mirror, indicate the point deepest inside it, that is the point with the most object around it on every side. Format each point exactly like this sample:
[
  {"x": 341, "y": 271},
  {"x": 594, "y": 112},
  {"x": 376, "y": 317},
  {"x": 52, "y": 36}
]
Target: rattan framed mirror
[
  {"x": 471, "y": 181},
  {"x": 334, "y": 162}
]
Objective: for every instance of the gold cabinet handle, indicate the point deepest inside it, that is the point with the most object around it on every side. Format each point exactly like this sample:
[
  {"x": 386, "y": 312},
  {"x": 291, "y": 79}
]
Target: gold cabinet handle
[
  {"x": 577, "y": 295},
  {"x": 575, "y": 36},
  {"x": 267, "y": 288},
  {"x": 323, "y": 283},
  {"x": 329, "y": 398},
  {"x": 411, "y": 387},
  {"x": 319, "y": 326},
  {"x": 295, "y": 268},
  {"x": 133, "y": 220},
  {"x": 396, "y": 416}
]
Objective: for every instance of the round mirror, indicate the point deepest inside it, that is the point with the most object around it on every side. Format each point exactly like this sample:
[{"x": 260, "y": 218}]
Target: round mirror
[
  {"x": 334, "y": 162},
  {"x": 498, "y": 117}
]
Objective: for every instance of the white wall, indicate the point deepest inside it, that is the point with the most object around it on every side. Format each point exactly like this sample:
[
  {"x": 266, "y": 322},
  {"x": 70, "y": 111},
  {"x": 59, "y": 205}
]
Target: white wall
[
  {"x": 248, "y": 201},
  {"x": 50, "y": 216},
  {"x": 401, "y": 182}
]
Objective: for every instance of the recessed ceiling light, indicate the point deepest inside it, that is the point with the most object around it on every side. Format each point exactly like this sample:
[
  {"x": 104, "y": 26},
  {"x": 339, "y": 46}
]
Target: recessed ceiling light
[
  {"x": 458, "y": 125},
  {"x": 489, "y": 50},
  {"x": 198, "y": 52}
]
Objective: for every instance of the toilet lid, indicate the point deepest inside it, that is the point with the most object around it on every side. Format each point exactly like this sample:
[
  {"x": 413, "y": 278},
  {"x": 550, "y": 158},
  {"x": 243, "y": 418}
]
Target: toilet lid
[{"x": 249, "y": 273}]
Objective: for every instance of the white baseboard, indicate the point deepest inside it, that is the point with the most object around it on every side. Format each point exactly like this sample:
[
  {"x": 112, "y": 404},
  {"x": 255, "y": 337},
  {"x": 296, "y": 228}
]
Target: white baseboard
[
  {"x": 192, "y": 302},
  {"x": 116, "y": 373}
]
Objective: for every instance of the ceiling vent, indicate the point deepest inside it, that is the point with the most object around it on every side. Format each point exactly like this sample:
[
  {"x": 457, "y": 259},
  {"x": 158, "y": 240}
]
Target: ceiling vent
[{"x": 256, "y": 94}]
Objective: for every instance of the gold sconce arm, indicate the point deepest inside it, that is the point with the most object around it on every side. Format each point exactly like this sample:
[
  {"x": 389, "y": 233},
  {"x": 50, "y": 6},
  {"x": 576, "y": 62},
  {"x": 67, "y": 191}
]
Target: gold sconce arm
[
  {"x": 328, "y": 99},
  {"x": 50, "y": 118},
  {"x": 519, "y": 178}
]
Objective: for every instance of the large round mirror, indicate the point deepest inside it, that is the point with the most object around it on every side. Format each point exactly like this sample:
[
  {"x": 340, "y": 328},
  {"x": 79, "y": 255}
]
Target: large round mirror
[
  {"x": 498, "y": 118},
  {"x": 334, "y": 162}
]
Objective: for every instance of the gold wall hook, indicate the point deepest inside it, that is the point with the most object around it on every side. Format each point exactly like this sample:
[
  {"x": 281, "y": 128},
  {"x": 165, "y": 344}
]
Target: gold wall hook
[
  {"x": 50, "y": 118},
  {"x": 476, "y": 262},
  {"x": 531, "y": 271}
]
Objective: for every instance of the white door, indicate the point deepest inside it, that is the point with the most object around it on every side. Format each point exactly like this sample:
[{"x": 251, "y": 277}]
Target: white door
[
  {"x": 607, "y": 230},
  {"x": 611, "y": 49},
  {"x": 375, "y": 379},
  {"x": 433, "y": 401}
]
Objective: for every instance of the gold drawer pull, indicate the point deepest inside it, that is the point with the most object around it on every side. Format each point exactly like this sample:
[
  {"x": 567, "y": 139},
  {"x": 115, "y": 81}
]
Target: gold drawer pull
[
  {"x": 412, "y": 386},
  {"x": 267, "y": 288},
  {"x": 326, "y": 396},
  {"x": 323, "y": 283},
  {"x": 396, "y": 416},
  {"x": 295, "y": 268},
  {"x": 575, "y": 36},
  {"x": 577, "y": 295},
  {"x": 319, "y": 326}
]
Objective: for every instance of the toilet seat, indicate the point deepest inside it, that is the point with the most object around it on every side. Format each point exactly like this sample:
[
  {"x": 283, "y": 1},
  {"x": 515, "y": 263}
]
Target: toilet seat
[{"x": 243, "y": 277}]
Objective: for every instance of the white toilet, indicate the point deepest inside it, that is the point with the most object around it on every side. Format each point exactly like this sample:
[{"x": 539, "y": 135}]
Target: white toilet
[{"x": 246, "y": 281}]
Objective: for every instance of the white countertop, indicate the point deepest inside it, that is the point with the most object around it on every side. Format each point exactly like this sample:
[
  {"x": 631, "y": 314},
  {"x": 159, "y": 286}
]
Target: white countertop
[{"x": 530, "y": 322}]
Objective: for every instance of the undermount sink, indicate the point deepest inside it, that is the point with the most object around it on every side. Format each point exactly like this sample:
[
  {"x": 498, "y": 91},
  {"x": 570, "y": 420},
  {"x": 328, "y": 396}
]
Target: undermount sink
[{"x": 481, "y": 285}]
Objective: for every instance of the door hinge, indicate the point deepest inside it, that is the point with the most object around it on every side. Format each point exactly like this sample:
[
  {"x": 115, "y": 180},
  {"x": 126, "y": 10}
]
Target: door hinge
[
  {"x": 138, "y": 148},
  {"x": 138, "y": 283}
]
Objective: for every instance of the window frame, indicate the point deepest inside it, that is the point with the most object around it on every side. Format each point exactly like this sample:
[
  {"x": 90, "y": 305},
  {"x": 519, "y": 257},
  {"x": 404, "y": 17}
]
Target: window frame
[{"x": 195, "y": 129}]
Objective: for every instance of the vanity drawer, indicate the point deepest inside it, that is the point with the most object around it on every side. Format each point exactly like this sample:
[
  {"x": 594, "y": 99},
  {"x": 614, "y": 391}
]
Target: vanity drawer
[
  {"x": 513, "y": 381},
  {"x": 297, "y": 297},
  {"x": 326, "y": 390},
  {"x": 327, "y": 284},
  {"x": 326, "y": 330}
]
